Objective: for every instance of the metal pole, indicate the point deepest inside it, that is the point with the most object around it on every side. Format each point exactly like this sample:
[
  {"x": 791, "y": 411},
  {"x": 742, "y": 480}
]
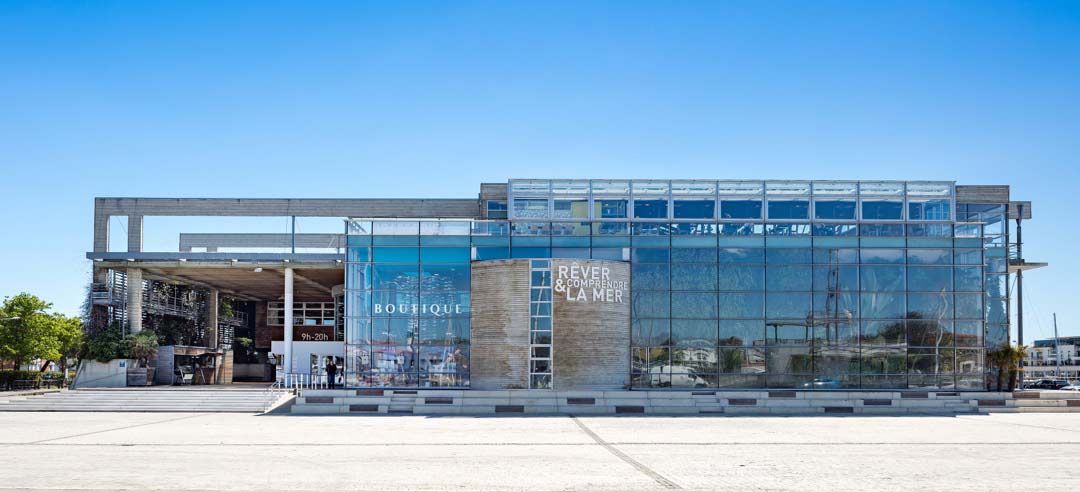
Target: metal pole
[
  {"x": 288, "y": 338},
  {"x": 1057, "y": 350},
  {"x": 1020, "y": 288}
]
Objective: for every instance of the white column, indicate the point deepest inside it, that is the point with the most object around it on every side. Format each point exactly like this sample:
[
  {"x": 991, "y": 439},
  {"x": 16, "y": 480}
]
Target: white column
[
  {"x": 288, "y": 364},
  {"x": 212, "y": 310},
  {"x": 134, "y": 299}
]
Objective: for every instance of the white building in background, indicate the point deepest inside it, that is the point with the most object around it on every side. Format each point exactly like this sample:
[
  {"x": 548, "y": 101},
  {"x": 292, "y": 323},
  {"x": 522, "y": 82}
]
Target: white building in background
[{"x": 1042, "y": 359}]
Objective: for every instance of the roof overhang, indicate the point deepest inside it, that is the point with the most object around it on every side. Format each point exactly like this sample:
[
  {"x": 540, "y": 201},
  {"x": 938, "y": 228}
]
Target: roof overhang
[{"x": 246, "y": 276}]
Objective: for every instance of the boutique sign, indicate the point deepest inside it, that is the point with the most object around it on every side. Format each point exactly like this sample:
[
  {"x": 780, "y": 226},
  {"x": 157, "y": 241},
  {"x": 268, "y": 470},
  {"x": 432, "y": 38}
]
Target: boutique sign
[
  {"x": 588, "y": 283},
  {"x": 411, "y": 309}
]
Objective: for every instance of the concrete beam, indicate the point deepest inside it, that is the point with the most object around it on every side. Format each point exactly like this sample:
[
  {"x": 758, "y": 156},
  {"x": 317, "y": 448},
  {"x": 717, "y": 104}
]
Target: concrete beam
[
  {"x": 257, "y": 240},
  {"x": 306, "y": 281},
  {"x": 373, "y": 208}
]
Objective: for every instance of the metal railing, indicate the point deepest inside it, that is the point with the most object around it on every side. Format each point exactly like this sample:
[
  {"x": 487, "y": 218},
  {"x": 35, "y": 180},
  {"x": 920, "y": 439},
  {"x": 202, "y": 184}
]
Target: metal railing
[
  {"x": 298, "y": 382},
  {"x": 273, "y": 395}
]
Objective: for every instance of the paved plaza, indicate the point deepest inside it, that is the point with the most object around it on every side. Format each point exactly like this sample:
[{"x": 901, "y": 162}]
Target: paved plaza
[{"x": 138, "y": 451}]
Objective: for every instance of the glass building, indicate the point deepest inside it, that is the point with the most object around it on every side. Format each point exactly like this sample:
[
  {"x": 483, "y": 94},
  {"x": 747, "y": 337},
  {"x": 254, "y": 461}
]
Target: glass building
[{"x": 734, "y": 284}]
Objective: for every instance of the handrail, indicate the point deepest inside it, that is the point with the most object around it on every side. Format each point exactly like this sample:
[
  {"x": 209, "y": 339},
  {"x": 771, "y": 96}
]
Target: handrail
[{"x": 273, "y": 394}]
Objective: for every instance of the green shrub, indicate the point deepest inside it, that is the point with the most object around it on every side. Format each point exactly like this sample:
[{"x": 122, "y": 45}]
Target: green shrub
[{"x": 106, "y": 345}]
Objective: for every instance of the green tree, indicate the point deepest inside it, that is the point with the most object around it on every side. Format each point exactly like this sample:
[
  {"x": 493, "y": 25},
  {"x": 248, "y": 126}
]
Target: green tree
[
  {"x": 69, "y": 331},
  {"x": 106, "y": 345},
  {"x": 27, "y": 331}
]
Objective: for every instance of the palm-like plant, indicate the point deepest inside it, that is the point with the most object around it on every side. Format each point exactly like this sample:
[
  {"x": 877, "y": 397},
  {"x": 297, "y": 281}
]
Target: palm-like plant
[{"x": 1006, "y": 358}]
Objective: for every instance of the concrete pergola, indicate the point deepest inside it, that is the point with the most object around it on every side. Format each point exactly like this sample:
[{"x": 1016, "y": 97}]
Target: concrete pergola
[{"x": 248, "y": 276}]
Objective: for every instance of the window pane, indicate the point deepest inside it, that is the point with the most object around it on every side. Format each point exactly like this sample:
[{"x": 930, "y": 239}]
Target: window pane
[
  {"x": 741, "y": 255},
  {"x": 789, "y": 209},
  {"x": 650, "y": 304},
  {"x": 698, "y": 305},
  {"x": 575, "y": 208},
  {"x": 531, "y": 208},
  {"x": 649, "y": 276},
  {"x": 840, "y": 278},
  {"x": 740, "y": 209},
  {"x": 741, "y": 305},
  {"x": 693, "y": 255},
  {"x": 787, "y": 255},
  {"x": 928, "y": 210},
  {"x": 445, "y": 255},
  {"x": 445, "y": 276},
  {"x": 929, "y": 333},
  {"x": 878, "y": 305},
  {"x": 883, "y": 333},
  {"x": 693, "y": 333},
  {"x": 780, "y": 277},
  {"x": 929, "y": 279},
  {"x": 834, "y": 209},
  {"x": 787, "y": 305},
  {"x": 883, "y": 256},
  {"x": 741, "y": 277},
  {"x": 650, "y": 209},
  {"x": 742, "y": 332},
  {"x": 610, "y": 208},
  {"x": 650, "y": 332},
  {"x": 882, "y": 278},
  {"x": 694, "y": 209},
  {"x": 930, "y": 306},
  {"x": 693, "y": 277},
  {"x": 930, "y": 256},
  {"x": 882, "y": 209},
  {"x": 396, "y": 277}
]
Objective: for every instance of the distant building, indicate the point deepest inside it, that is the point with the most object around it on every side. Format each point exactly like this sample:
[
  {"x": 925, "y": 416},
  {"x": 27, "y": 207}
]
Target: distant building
[{"x": 1042, "y": 360}]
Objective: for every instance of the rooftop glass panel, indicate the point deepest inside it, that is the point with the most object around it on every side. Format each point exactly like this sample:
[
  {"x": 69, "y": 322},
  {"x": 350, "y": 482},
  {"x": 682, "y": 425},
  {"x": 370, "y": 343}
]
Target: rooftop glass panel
[
  {"x": 835, "y": 188},
  {"x": 445, "y": 228},
  {"x": 930, "y": 189},
  {"x": 740, "y": 187},
  {"x": 787, "y": 187},
  {"x": 569, "y": 187},
  {"x": 650, "y": 187},
  {"x": 610, "y": 187},
  {"x": 396, "y": 228},
  {"x": 530, "y": 186},
  {"x": 693, "y": 187},
  {"x": 881, "y": 188}
]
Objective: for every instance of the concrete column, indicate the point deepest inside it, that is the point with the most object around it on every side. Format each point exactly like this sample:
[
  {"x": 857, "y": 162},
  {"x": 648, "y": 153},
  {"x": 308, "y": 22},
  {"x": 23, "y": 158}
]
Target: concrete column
[
  {"x": 134, "y": 299},
  {"x": 135, "y": 234},
  {"x": 288, "y": 339},
  {"x": 212, "y": 319}
]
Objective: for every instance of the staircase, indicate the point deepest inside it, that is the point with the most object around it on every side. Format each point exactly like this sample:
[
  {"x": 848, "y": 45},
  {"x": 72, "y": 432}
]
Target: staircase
[
  {"x": 703, "y": 402},
  {"x": 151, "y": 399}
]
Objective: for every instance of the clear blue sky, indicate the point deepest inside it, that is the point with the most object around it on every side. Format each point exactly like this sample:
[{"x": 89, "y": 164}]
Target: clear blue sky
[{"x": 362, "y": 99}]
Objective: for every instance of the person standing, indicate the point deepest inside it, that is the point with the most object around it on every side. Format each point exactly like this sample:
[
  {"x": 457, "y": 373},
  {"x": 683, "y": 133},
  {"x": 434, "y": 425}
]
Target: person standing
[{"x": 331, "y": 372}]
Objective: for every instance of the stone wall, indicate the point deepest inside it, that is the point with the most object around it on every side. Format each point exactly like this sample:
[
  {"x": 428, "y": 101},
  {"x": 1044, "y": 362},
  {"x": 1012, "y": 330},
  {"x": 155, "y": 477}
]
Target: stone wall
[
  {"x": 591, "y": 335},
  {"x": 500, "y": 324},
  {"x": 591, "y": 331}
]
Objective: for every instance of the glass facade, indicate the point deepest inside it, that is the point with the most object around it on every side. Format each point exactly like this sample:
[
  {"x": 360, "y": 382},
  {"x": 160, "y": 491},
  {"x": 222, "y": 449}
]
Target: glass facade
[{"x": 735, "y": 284}]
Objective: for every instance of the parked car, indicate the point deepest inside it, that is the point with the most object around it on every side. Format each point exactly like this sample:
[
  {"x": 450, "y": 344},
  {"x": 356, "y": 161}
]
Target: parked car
[
  {"x": 1048, "y": 384},
  {"x": 1075, "y": 386},
  {"x": 822, "y": 383}
]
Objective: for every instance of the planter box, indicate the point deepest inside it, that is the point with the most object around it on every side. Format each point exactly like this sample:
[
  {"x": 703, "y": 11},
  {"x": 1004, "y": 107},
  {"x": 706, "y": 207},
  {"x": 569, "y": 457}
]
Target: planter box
[{"x": 140, "y": 376}]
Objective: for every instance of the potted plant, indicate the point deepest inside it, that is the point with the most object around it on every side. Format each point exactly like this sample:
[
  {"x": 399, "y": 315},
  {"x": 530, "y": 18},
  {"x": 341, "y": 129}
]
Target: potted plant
[{"x": 142, "y": 347}]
